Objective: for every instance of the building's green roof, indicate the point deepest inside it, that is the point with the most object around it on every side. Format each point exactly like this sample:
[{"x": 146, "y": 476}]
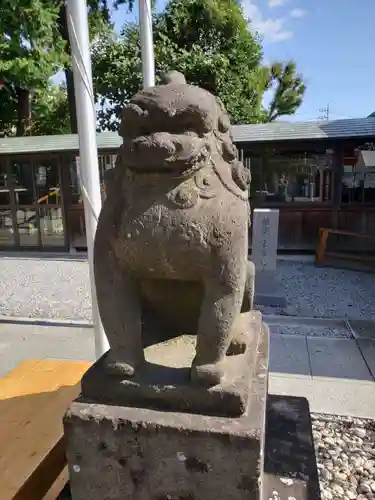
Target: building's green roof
[
  {"x": 55, "y": 143},
  {"x": 269, "y": 132},
  {"x": 287, "y": 131}
]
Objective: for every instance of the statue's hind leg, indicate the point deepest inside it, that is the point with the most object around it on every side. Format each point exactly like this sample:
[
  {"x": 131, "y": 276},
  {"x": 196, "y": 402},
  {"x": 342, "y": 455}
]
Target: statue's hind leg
[
  {"x": 221, "y": 306},
  {"x": 240, "y": 332},
  {"x": 248, "y": 298}
]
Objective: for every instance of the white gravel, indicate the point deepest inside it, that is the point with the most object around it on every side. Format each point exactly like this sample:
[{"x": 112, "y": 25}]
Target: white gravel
[
  {"x": 311, "y": 331},
  {"x": 327, "y": 292},
  {"x": 44, "y": 288},
  {"x": 345, "y": 451},
  {"x": 53, "y": 288}
]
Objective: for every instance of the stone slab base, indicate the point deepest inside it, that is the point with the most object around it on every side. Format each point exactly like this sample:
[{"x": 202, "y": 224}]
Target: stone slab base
[
  {"x": 289, "y": 460},
  {"x": 121, "y": 453},
  {"x": 163, "y": 383},
  {"x": 268, "y": 290}
]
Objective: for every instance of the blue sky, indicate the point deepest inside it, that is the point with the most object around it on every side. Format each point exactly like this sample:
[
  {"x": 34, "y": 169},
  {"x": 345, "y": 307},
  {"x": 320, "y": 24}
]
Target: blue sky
[{"x": 332, "y": 42}]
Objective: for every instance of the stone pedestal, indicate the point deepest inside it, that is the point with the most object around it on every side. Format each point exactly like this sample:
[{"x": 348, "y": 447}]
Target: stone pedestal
[
  {"x": 289, "y": 469},
  {"x": 268, "y": 291},
  {"x": 147, "y": 453}
]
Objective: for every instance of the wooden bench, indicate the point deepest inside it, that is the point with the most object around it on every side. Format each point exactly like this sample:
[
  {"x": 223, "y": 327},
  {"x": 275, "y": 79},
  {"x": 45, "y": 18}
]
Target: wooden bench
[
  {"x": 33, "y": 399},
  {"x": 321, "y": 252}
]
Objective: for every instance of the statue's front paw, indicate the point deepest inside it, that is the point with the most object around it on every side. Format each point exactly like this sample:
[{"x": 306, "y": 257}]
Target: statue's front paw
[{"x": 207, "y": 374}]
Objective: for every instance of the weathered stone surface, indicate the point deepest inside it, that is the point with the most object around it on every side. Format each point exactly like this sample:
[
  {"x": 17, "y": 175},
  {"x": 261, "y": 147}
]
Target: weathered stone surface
[
  {"x": 164, "y": 383},
  {"x": 290, "y": 469},
  {"x": 173, "y": 231},
  {"x": 124, "y": 453},
  {"x": 289, "y": 459}
]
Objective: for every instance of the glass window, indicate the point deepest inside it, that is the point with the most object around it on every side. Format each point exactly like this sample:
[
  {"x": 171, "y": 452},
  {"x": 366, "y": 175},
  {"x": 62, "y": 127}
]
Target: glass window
[
  {"x": 27, "y": 224},
  {"x": 6, "y": 228},
  {"x": 47, "y": 183},
  {"x": 4, "y": 186},
  {"x": 357, "y": 186},
  {"x": 75, "y": 190},
  {"x": 23, "y": 182},
  {"x": 292, "y": 178},
  {"x": 52, "y": 227},
  {"x": 106, "y": 162}
]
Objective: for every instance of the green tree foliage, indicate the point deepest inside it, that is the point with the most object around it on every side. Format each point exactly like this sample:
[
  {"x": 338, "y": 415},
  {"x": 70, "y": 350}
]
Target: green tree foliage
[
  {"x": 288, "y": 89},
  {"x": 211, "y": 43},
  {"x": 215, "y": 51},
  {"x": 50, "y": 113},
  {"x": 31, "y": 51},
  {"x": 99, "y": 17},
  {"x": 8, "y": 107},
  {"x": 208, "y": 40},
  {"x": 34, "y": 45}
]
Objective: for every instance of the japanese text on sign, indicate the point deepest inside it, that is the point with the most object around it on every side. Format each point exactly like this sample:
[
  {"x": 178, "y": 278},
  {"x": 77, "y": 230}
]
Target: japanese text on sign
[{"x": 265, "y": 232}]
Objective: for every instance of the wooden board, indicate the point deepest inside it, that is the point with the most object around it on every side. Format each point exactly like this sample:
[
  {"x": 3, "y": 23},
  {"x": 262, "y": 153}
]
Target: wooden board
[
  {"x": 349, "y": 233},
  {"x": 33, "y": 399},
  {"x": 321, "y": 252},
  {"x": 58, "y": 486}
]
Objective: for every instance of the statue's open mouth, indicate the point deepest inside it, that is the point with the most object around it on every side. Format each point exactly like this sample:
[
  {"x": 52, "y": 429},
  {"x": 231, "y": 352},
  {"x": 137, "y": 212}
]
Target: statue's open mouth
[{"x": 165, "y": 153}]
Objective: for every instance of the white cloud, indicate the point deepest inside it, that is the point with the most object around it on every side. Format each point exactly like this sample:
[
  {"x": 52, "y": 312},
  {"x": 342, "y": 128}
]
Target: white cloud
[
  {"x": 297, "y": 13},
  {"x": 272, "y": 30},
  {"x": 275, "y": 3}
]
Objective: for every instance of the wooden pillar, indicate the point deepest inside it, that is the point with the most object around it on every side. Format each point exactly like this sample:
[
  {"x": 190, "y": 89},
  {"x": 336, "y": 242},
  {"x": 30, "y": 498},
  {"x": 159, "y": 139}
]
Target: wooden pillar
[{"x": 337, "y": 176}]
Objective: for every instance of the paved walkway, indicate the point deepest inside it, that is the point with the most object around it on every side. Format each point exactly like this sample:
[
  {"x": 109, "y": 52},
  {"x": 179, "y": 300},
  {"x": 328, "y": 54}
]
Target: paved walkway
[{"x": 336, "y": 375}]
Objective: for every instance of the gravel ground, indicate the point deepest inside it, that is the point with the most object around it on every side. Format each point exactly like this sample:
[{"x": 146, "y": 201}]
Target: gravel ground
[
  {"x": 345, "y": 451},
  {"x": 53, "y": 288},
  {"x": 45, "y": 288},
  {"x": 327, "y": 292},
  {"x": 311, "y": 331}
]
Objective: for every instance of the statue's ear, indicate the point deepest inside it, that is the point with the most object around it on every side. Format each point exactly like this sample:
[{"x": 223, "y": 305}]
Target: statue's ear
[
  {"x": 113, "y": 177},
  {"x": 223, "y": 122},
  {"x": 241, "y": 175},
  {"x": 173, "y": 77}
]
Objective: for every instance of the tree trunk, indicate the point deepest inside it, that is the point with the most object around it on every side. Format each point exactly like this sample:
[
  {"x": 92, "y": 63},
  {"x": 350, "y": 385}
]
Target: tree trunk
[
  {"x": 71, "y": 100},
  {"x": 23, "y": 112},
  {"x": 63, "y": 27}
]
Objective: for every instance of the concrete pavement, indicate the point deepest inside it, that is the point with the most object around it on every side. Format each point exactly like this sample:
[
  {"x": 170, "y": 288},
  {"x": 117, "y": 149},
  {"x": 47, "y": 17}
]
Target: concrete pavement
[{"x": 335, "y": 374}]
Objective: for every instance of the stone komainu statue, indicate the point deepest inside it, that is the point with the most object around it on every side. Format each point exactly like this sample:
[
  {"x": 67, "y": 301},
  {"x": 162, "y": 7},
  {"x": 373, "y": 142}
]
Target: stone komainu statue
[{"x": 172, "y": 237}]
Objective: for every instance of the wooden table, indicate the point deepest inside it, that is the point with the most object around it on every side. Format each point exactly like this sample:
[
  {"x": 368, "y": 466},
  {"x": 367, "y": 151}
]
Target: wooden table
[{"x": 33, "y": 399}]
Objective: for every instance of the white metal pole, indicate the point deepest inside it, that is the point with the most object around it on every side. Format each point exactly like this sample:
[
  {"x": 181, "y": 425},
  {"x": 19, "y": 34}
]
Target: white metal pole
[
  {"x": 89, "y": 167},
  {"x": 147, "y": 44}
]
